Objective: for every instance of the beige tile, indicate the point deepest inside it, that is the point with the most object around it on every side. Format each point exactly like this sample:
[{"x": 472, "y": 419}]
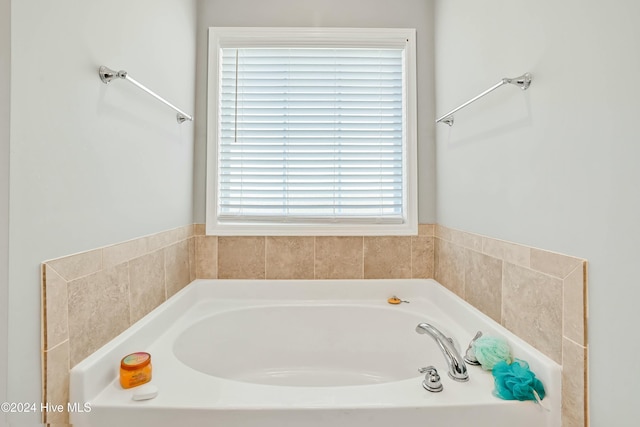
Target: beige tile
[
  {"x": 387, "y": 257},
  {"x": 75, "y": 266},
  {"x": 146, "y": 284},
  {"x": 98, "y": 310},
  {"x": 426, "y": 230},
  {"x": 176, "y": 266},
  {"x": 289, "y": 257},
  {"x": 57, "y": 382},
  {"x": 552, "y": 263},
  {"x": 56, "y": 322},
  {"x": 442, "y": 232},
  {"x": 574, "y": 303},
  {"x": 532, "y": 308},
  {"x": 163, "y": 239},
  {"x": 185, "y": 232},
  {"x": 199, "y": 229},
  {"x": 192, "y": 260},
  {"x": 123, "y": 252},
  {"x": 483, "y": 283},
  {"x": 574, "y": 384},
  {"x": 206, "y": 257},
  {"x": 339, "y": 257},
  {"x": 422, "y": 257},
  {"x": 507, "y": 251},
  {"x": 466, "y": 240},
  {"x": 449, "y": 266},
  {"x": 241, "y": 257}
]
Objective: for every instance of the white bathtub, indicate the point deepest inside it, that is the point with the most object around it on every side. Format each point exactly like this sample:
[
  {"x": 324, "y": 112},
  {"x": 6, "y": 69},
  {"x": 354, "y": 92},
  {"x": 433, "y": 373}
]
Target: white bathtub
[{"x": 305, "y": 353}]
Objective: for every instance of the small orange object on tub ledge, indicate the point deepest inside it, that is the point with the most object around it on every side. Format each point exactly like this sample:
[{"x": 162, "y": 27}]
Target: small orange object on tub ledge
[{"x": 135, "y": 369}]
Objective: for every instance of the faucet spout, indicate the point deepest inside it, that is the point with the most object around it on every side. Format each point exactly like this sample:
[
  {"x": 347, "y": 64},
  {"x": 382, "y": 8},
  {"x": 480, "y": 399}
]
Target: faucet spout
[{"x": 457, "y": 367}]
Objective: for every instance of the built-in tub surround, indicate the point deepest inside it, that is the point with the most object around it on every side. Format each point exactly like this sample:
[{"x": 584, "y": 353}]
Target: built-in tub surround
[
  {"x": 539, "y": 295},
  {"x": 499, "y": 278},
  {"x": 91, "y": 297}
]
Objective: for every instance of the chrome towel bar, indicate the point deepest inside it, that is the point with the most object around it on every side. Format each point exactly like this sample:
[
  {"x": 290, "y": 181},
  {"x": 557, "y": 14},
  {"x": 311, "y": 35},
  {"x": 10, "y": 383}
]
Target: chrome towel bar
[
  {"x": 523, "y": 82},
  {"x": 107, "y": 74}
]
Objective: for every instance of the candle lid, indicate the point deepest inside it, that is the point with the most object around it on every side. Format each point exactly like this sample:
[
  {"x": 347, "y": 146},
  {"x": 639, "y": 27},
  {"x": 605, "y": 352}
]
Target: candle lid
[{"x": 135, "y": 360}]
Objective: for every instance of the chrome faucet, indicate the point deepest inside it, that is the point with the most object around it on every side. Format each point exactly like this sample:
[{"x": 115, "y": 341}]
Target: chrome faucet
[{"x": 457, "y": 368}]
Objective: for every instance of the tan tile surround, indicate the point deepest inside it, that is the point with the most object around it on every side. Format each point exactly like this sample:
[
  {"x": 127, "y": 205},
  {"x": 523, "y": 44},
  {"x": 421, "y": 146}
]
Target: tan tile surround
[
  {"x": 91, "y": 297},
  {"x": 345, "y": 257},
  {"x": 540, "y": 296},
  {"x": 511, "y": 283}
]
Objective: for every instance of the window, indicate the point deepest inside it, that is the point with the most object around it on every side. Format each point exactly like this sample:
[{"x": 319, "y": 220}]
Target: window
[{"x": 311, "y": 131}]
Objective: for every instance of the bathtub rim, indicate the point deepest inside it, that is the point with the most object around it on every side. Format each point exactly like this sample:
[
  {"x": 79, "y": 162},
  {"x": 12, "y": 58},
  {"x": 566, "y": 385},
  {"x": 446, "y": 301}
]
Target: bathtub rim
[{"x": 92, "y": 375}]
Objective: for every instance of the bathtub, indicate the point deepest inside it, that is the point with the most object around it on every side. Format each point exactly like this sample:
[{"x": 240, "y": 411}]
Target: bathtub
[{"x": 235, "y": 353}]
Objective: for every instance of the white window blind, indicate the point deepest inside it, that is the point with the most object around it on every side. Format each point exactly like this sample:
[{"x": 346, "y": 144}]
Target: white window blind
[{"x": 311, "y": 134}]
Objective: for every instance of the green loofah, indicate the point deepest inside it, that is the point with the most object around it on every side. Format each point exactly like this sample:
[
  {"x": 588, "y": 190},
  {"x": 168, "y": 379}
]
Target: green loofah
[{"x": 490, "y": 350}]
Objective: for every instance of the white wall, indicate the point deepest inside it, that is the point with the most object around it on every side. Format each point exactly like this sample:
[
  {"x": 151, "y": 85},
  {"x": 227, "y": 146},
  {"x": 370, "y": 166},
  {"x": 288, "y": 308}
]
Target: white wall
[
  {"x": 5, "y": 89},
  {"x": 91, "y": 164},
  {"x": 554, "y": 167},
  {"x": 326, "y": 13}
]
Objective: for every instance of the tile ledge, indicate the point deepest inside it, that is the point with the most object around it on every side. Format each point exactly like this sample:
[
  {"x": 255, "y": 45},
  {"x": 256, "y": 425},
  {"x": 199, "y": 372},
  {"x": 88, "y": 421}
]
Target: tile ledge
[
  {"x": 509, "y": 242},
  {"x": 583, "y": 346},
  {"x": 189, "y": 235},
  {"x": 55, "y": 346}
]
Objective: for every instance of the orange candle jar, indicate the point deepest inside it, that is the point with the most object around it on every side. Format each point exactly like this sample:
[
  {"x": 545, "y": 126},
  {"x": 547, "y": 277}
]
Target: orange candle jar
[{"x": 135, "y": 369}]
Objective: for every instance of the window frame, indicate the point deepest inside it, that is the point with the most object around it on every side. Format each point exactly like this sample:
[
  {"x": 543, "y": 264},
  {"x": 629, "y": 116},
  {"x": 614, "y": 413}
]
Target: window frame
[{"x": 224, "y": 37}]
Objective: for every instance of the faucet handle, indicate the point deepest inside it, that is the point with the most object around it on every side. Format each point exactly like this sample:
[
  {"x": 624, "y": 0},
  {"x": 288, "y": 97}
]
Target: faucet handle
[
  {"x": 431, "y": 380},
  {"x": 470, "y": 354}
]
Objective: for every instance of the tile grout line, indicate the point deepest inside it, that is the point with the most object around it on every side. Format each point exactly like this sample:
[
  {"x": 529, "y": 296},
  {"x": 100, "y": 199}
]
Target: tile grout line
[
  {"x": 217, "y": 257},
  {"x": 586, "y": 347},
  {"x": 465, "y": 255},
  {"x": 411, "y": 257},
  {"x": 56, "y": 346},
  {"x": 129, "y": 291},
  {"x": 502, "y": 287},
  {"x": 164, "y": 265},
  {"x": 75, "y": 278},
  {"x": 362, "y": 268},
  {"x": 265, "y": 258}
]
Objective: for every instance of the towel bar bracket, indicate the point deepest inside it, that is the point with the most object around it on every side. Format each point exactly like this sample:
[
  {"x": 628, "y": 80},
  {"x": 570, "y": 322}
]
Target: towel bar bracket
[
  {"x": 523, "y": 81},
  {"x": 448, "y": 120},
  {"x": 107, "y": 74}
]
